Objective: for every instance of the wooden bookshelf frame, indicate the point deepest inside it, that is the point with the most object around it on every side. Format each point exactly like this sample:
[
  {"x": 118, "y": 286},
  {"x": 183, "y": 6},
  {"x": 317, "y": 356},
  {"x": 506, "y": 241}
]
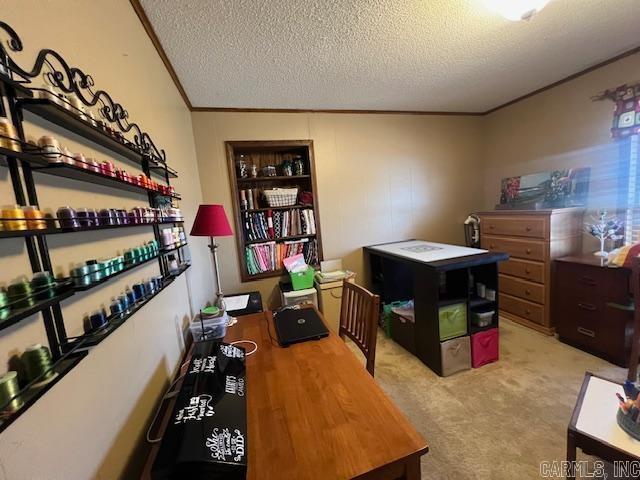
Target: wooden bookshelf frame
[{"x": 306, "y": 182}]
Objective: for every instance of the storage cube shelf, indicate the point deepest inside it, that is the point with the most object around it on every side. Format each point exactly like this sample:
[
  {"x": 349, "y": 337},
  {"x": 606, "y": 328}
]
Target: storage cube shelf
[
  {"x": 267, "y": 232},
  {"x": 444, "y": 305}
]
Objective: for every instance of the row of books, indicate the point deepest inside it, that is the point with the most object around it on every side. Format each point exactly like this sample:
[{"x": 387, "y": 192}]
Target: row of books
[
  {"x": 268, "y": 256},
  {"x": 249, "y": 198},
  {"x": 277, "y": 224}
]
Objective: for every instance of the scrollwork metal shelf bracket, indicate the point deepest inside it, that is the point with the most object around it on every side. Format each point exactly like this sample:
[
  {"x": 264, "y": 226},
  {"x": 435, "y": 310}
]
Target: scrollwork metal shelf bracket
[{"x": 73, "y": 81}]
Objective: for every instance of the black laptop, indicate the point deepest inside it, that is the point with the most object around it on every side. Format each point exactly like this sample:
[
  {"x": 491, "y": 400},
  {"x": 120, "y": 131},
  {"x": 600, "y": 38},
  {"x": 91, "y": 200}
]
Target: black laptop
[{"x": 298, "y": 325}]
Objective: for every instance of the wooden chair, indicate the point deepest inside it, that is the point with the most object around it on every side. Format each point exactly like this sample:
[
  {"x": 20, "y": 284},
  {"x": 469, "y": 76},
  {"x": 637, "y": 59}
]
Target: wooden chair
[
  {"x": 359, "y": 319},
  {"x": 635, "y": 342}
]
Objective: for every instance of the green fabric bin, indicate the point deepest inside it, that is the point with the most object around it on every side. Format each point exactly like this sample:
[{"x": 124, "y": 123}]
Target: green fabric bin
[
  {"x": 302, "y": 280},
  {"x": 453, "y": 321}
]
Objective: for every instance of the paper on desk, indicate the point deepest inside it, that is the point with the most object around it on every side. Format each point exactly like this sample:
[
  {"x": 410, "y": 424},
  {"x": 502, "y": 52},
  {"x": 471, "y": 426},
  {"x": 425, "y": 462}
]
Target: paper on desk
[{"x": 237, "y": 302}]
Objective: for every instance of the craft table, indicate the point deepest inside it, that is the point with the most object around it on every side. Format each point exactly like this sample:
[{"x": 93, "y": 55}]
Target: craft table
[{"x": 434, "y": 275}]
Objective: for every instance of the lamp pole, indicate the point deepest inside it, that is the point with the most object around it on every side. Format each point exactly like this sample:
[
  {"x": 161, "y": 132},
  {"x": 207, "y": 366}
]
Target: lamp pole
[{"x": 219, "y": 301}]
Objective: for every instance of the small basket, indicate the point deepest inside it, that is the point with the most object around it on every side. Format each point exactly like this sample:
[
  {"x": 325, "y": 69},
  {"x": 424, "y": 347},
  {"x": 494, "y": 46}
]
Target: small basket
[
  {"x": 302, "y": 280},
  {"x": 281, "y": 197},
  {"x": 628, "y": 425}
]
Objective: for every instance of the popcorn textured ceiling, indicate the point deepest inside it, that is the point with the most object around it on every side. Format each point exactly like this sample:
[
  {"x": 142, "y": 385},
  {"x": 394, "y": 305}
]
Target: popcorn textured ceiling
[{"x": 430, "y": 55}]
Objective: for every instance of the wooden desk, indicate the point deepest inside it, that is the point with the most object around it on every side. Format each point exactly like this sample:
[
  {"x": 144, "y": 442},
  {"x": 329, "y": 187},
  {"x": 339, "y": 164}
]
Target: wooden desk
[{"x": 315, "y": 413}]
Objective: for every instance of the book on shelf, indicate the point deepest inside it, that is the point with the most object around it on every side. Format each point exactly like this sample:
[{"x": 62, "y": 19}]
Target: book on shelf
[
  {"x": 278, "y": 224},
  {"x": 250, "y": 198},
  {"x": 269, "y": 256}
]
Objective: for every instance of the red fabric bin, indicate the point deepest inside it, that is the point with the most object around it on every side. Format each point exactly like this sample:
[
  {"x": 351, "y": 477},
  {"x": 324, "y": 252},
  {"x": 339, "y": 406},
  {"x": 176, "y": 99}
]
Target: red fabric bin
[{"x": 484, "y": 347}]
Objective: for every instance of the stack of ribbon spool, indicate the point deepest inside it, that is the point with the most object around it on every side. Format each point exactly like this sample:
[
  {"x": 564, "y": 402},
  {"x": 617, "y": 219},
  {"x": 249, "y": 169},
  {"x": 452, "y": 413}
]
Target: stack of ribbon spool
[
  {"x": 22, "y": 293},
  {"x": 36, "y": 370}
]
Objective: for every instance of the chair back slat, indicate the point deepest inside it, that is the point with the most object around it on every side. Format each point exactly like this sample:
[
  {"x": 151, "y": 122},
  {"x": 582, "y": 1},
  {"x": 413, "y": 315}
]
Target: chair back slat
[{"x": 359, "y": 319}]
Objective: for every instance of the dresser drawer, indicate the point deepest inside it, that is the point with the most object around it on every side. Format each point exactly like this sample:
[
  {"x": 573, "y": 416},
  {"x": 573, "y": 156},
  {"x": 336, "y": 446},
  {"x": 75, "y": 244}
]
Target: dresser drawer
[
  {"x": 533, "y": 292},
  {"x": 522, "y": 308},
  {"x": 525, "y": 226},
  {"x": 596, "y": 327},
  {"x": 527, "y": 249},
  {"x": 608, "y": 284},
  {"x": 532, "y": 271}
]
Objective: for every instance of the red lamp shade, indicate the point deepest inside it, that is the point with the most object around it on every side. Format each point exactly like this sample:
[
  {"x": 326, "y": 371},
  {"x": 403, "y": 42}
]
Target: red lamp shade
[{"x": 211, "y": 221}]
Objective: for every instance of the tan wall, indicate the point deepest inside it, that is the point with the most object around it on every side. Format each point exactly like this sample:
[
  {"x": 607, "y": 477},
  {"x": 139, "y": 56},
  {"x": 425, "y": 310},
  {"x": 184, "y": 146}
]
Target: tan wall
[
  {"x": 559, "y": 128},
  {"x": 89, "y": 424},
  {"x": 380, "y": 177}
]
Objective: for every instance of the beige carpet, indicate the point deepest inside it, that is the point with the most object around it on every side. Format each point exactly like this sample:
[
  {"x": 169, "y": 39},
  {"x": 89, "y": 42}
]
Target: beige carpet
[{"x": 496, "y": 422}]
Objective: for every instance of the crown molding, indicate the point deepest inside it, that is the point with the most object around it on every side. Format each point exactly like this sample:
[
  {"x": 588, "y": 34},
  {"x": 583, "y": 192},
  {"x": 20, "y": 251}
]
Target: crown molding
[
  {"x": 345, "y": 111},
  {"x": 142, "y": 16}
]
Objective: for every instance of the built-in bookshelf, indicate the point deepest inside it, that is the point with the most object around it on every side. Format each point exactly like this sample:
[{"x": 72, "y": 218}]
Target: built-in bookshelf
[{"x": 266, "y": 230}]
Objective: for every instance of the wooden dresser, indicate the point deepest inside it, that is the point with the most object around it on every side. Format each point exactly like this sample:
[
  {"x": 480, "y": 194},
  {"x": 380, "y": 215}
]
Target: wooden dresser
[
  {"x": 533, "y": 239},
  {"x": 592, "y": 308}
]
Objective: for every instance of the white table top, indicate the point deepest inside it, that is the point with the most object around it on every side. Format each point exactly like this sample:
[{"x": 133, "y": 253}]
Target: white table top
[
  {"x": 598, "y": 415},
  {"x": 426, "y": 251}
]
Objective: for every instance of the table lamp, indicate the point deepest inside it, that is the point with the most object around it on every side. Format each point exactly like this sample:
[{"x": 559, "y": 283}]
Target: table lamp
[{"x": 211, "y": 221}]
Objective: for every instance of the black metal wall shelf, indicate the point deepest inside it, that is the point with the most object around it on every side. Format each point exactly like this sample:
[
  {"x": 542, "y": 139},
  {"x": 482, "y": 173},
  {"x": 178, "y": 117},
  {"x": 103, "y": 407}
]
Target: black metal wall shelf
[
  {"x": 29, "y": 394},
  {"x": 26, "y": 157},
  {"x": 182, "y": 269},
  {"x": 162, "y": 170},
  {"x": 89, "y": 340},
  {"x": 173, "y": 249},
  {"x": 113, "y": 131},
  {"x": 21, "y": 87},
  {"x": 39, "y": 305},
  {"x": 66, "y": 119},
  {"x": 84, "y": 175},
  {"x": 56, "y": 230},
  {"x": 279, "y": 178}
]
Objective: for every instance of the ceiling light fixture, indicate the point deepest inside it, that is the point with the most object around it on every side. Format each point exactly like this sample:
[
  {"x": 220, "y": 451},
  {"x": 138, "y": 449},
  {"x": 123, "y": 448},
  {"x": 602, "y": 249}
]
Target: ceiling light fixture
[{"x": 516, "y": 9}]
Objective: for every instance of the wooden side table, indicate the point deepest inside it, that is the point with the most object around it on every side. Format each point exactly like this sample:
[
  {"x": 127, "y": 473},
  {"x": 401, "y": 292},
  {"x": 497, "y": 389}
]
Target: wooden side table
[{"x": 593, "y": 427}]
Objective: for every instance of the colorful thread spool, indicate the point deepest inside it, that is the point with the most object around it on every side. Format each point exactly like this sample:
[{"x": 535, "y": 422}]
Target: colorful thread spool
[
  {"x": 9, "y": 388},
  {"x": 35, "y": 218},
  {"x": 116, "y": 307},
  {"x": 124, "y": 302},
  {"x": 20, "y": 294},
  {"x": 37, "y": 364},
  {"x": 14, "y": 218},
  {"x": 9, "y": 135},
  {"x": 139, "y": 290},
  {"x": 107, "y": 217},
  {"x": 81, "y": 276},
  {"x": 132, "y": 297},
  {"x": 97, "y": 320},
  {"x": 44, "y": 285},
  {"x": 95, "y": 271},
  {"x": 50, "y": 149},
  {"x": 4, "y": 304},
  {"x": 67, "y": 217}
]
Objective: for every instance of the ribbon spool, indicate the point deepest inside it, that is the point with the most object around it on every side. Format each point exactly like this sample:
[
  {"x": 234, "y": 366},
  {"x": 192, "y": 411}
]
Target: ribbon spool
[
  {"x": 9, "y": 388},
  {"x": 14, "y": 218},
  {"x": 37, "y": 364},
  {"x": 68, "y": 217},
  {"x": 44, "y": 285},
  {"x": 4, "y": 304},
  {"x": 97, "y": 320},
  {"x": 35, "y": 218},
  {"x": 20, "y": 294},
  {"x": 8, "y": 135}
]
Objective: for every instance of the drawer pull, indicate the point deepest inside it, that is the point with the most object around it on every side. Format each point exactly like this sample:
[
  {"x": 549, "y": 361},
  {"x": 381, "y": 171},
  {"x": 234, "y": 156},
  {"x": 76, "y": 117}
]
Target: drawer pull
[
  {"x": 588, "y": 333},
  {"x": 527, "y": 270},
  {"x": 528, "y": 229},
  {"x": 587, "y": 281},
  {"x": 492, "y": 246},
  {"x": 528, "y": 251},
  {"x": 527, "y": 291},
  {"x": 527, "y": 311},
  {"x": 587, "y": 306},
  {"x": 491, "y": 227}
]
